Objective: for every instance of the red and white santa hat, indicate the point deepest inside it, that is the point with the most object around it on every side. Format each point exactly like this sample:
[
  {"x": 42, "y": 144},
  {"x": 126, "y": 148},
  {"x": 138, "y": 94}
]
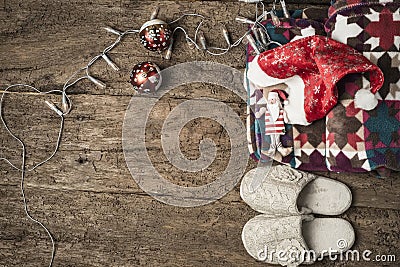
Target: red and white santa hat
[{"x": 311, "y": 68}]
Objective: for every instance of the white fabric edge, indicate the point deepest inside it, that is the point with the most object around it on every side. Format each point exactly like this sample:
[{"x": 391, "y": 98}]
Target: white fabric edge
[{"x": 295, "y": 107}]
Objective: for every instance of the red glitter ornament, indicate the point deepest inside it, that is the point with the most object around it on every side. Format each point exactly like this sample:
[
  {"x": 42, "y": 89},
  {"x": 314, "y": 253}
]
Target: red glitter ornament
[
  {"x": 145, "y": 77},
  {"x": 155, "y": 35}
]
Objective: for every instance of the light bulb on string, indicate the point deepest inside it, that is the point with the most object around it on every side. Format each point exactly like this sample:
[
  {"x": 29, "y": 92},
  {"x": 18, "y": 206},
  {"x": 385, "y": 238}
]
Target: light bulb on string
[
  {"x": 111, "y": 30},
  {"x": 109, "y": 62},
  {"x": 155, "y": 35},
  {"x": 97, "y": 82}
]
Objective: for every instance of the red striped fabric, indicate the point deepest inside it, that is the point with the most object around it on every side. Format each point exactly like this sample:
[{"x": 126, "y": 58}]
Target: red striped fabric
[{"x": 274, "y": 127}]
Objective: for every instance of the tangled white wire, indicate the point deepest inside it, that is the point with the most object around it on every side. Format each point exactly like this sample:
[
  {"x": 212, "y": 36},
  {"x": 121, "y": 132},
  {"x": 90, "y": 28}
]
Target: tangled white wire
[
  {"x": 193, "y": 41},
  {"x": 74, "y": 78},
  {"x": 67, "y": 106},
  {"x": 23, "y": 168}
]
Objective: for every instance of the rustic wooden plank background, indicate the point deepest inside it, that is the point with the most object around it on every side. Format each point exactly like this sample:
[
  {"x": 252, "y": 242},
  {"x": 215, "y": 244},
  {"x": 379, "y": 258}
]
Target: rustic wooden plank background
[{"x": 86, "y": 195}]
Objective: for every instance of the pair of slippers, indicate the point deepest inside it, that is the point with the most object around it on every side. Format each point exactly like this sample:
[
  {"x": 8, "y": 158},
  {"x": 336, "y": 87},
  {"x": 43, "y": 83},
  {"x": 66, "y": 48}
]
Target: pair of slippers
[{"x": 287, "y": 233}]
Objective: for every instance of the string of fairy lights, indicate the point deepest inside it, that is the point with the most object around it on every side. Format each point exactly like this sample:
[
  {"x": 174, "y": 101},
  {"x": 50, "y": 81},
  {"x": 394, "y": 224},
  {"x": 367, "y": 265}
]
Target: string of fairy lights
[{"x": 155, "y": 35}]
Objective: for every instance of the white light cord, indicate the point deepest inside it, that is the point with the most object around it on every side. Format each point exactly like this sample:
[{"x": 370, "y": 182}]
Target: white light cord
[
  {"x": 193, "y": 41},
  {"x": 85, "y": 74},
  {"x": 23, "y": 169}
]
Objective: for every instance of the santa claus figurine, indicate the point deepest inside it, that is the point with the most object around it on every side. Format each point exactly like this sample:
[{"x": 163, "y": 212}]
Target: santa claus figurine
[{"x": 275, "y": 119}]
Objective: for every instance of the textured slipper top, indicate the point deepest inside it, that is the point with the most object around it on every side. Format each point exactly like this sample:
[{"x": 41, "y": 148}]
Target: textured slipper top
[
  {"x": 278, "y": 192},
  {"x": 276, "y": 240}
]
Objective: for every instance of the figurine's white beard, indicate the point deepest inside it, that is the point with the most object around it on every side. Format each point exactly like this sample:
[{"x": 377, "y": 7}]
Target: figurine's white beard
[{"x": 274, "y": 110}]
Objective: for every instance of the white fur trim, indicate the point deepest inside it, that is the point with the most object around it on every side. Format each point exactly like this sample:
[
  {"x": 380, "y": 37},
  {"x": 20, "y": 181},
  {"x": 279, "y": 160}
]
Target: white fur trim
[
  {"x": 295, "y": 101},
  {"x": 257, "y": 76},
  {"x": 366, "y": 100},
  {"x": 295, "y": 106}
]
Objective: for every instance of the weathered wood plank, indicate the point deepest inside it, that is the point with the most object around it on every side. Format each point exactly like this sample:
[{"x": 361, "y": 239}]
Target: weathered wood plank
[
  {"x": 91, "y": 156},
  {"x": 86, "y": 195},
  {"x": 76, "y": 35},
  {"x": 106, "y": 171},
  {"x": 106, "y": 113},
  {"x": 97, "y": 229},
  {"x": 60, "y": 37}
]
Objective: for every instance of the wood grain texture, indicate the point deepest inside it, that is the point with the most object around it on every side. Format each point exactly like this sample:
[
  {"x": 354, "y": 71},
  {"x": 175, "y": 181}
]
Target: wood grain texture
[{"x": 85, "y": 194}]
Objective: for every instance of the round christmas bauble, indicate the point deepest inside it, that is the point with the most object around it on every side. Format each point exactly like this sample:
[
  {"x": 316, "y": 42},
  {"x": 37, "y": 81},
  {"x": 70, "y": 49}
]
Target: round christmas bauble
[
  {"x": 145, "y": 77},
  {"x": 155, "y": 35}
]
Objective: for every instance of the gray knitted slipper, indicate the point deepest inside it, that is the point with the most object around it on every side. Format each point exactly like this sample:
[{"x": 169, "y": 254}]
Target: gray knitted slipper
[
  {"x": 283, "y": 190},
  {"x": 294, "y": 240}
]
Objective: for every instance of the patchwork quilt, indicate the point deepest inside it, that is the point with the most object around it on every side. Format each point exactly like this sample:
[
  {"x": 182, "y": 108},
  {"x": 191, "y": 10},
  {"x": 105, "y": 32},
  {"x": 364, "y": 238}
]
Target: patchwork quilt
[
  {"x": 348, "y": 139},
  {"x": 372, "y": 141}
]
